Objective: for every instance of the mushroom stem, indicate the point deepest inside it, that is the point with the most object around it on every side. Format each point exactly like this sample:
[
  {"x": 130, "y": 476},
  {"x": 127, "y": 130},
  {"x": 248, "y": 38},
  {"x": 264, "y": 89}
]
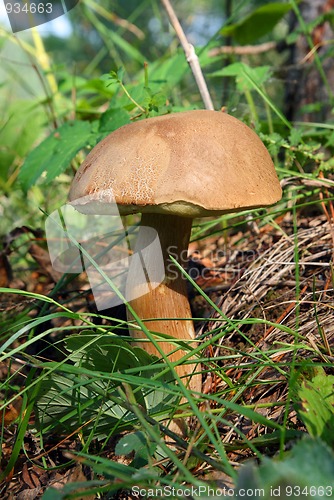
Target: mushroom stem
[{"x": 167, "y": 303}]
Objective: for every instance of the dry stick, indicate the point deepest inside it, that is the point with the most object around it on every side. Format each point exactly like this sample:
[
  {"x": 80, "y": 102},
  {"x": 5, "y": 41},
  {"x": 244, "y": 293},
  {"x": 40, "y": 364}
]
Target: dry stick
[
  {"x": 191, "y": 56},
  {"x": 243, "y": 50}
]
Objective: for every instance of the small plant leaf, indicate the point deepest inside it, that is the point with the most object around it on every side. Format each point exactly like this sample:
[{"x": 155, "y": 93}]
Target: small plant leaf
[
  {"x": 154, "y": 101},
  {"x": 316, "y": 409},
  {"x": 112, "y": 119},
  {"x": 54, "y": 154},
  {"x": 306, "y": 471},
  {"x": 129, "y": 443},
  {"x": 258, "y": 75},
  {"x": 113, "y": 76},
  {"x": 136, "y": 442}
]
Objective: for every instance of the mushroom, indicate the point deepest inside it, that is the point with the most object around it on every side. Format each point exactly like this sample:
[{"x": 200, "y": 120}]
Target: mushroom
[{"x": 174, "y": 168}]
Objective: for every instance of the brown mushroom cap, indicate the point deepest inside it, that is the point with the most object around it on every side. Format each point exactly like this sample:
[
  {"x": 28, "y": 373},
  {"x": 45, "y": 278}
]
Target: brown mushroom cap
[{"x": 193, "y": 164}]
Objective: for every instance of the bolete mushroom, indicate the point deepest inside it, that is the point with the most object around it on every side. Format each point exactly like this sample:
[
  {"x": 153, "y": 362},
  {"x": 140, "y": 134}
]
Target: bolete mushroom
[{"x": 174, "y": 168}]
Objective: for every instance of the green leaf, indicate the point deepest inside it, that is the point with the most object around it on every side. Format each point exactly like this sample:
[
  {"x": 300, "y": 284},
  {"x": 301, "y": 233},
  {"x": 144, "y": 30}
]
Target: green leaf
[
  {"x": 129, "y": 443},
  {"x": 307, "y": 471},
  {"x": 22, "y": 125},
  {"x": 53, "y": 494},
  {"x": 296, "y": 136},
  {"x": 105, "y": 353},
  {"x": 317, "y": 405},
  {"x": 112, "y": 119},
  {"x": 154, "y": 101},
  {"x": 67, "y": 401},
  {"x": 121, "y": 100},
  {"x": 258, "y": 75},
  {"x": 54, "y": 154},
  {"x": 96, "y": 86},
  {"x": 258, "y": 23},
  {"x": 274, "y": 142},
  {"x": 87, "y": 391},
  {"x": 120, "y": 74},
  {"x": 252, "y": 79},
  {"x": 310, "y": 463},
  {"x": 164, "y": 75},
  {"x": 136, "y": 443},
  {"x": 114, "y": 76}
]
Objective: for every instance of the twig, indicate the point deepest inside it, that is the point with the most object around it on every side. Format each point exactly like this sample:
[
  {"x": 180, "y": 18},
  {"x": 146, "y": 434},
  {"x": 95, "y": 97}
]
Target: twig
[
  {"x": 243, "y": 50},
  {"x": 190, "y": 53}
]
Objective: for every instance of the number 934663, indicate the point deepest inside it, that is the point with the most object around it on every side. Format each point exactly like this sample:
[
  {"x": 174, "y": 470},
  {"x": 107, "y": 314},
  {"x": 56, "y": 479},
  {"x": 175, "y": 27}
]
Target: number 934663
[{"x": 28, "y": 8}]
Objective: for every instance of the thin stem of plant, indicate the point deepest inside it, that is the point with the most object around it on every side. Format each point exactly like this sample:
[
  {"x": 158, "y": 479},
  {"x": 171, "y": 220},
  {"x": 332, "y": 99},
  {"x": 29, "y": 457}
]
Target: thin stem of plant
[{"x": 190, "y": 54}]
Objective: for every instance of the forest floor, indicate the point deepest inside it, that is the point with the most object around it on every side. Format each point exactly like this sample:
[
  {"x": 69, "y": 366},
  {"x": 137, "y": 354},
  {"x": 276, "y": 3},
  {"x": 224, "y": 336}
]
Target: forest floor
[{"x": 249, "y": 273}]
